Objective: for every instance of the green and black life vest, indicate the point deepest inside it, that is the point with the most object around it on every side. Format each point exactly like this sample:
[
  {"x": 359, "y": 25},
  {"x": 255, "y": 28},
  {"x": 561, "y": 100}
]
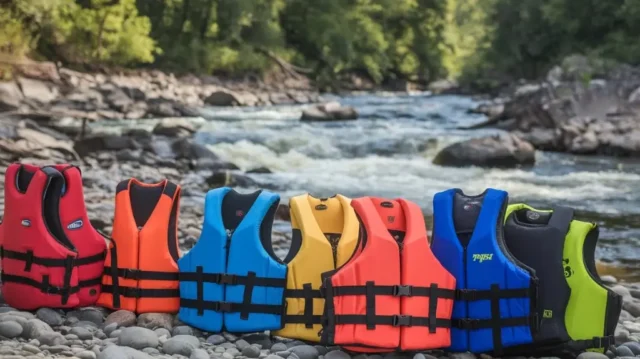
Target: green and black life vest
[{"x": 577, "y": 312}]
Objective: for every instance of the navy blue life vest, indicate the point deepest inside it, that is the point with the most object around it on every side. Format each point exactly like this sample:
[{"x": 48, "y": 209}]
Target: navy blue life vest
[
  {"x": 232, "y": 279},
  {"x": 496, "y": 294}
]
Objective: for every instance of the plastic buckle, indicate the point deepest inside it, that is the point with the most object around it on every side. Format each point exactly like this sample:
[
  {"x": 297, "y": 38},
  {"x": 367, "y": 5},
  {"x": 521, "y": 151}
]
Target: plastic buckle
[
  {"x": 224, "y": 307},
  {"x": 228, "y": 279},
  {"x": 402, "y": 320},
  {"x": 402, "y": 290},
  {"x": 468, "y": 323},
  {"x": 466, "y": 294},
  {"x": 130, "y": 273}
]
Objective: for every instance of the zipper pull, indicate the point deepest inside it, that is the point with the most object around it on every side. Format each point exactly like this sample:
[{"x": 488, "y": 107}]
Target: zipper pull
[{"x": 229, "y": 235}]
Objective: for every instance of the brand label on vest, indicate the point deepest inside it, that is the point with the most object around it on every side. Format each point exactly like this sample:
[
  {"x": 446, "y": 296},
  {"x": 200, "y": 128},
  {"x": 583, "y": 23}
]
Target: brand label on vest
[
  {"x": 75, "y": 224},
  {"x": 547, "y": 313},
  {"x": 26, "y": 223},
  {"x": 482, "y": 257}
]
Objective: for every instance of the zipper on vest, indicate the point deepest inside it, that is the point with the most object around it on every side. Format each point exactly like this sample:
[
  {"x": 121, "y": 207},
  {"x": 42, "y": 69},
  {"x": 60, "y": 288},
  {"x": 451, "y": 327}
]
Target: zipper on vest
[
  {"x": 334, "y": 249},
  {"x": 227, "y": 247},
  {"x": 400, "y": 243},
  {"x": 466, "y": 302}
]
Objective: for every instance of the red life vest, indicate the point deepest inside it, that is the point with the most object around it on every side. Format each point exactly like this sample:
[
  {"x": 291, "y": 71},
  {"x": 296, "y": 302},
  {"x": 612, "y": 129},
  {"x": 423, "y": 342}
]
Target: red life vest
[
  {"x": 51, "y": 255},
  {"x": 393, "y": 294}
]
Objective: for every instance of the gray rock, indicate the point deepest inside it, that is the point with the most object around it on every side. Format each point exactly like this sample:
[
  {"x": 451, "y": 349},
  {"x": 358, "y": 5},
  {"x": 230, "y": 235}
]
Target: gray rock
[
  {"x": 241, "y": 344},
  {"x": 7, "y": 309},
  {"x": 624, "y": 351},
  {"x": 504, "y": 150},
  {"x": 278, "y": 347},
  {"x": 634, "y": 346},
  {"x": 82, "y": 333},
  {"x": 58, "y": 348},
  {"x": 622, "y": 290},
  {"x": 123, "y": 318},
  {"x": 331, "y": 111},
  {"x": 182, "y": 330},
  {"x": 162, "y": 332},
  {"x": 116, "y": 352},
  {"x": 155, "y": 320},
  {"x": 51, "y": 338},
  {"x": 115, "y": 334},
  {"x": 322, "y": 350},
  {"x": 33, "y": 328},
  {"x": 9, "y": 317},
  {"x": 31, "y": 348},
  {"x": 108, "y": 329},
  {"x": 50, "y": 316},
  {"x": 251, "y": 351},
  {"x": 305, "y": 351},
  {"x": 462, "y": 356},
  {"x": 87, "y": 354},
  {"x": 233, "y": 351},
  {"x": 293, "y": 356},
  {"x": 632, "y": 306},
  {"x": 215, "y": 339},
  {"x": 199, "y": 354},
  {"x": 273, "y": 356},
  {"x": 84, "y": 324},
  {"x": 224, "y": 97},
  {"x": 10, "y": 96},
  {"x": 181, "y": 344},
  {"x": 187, "y": 148},
  {"x": 284, "y": 354},
  {"x": 339, "y": 354},
  {"x": 138, "y": 338},
  {"x": 151, "y": 351},
  {"x": 10, "y": 329},
  {"x": 174, "y": 127},
  {"x": 621, "y": 335}
]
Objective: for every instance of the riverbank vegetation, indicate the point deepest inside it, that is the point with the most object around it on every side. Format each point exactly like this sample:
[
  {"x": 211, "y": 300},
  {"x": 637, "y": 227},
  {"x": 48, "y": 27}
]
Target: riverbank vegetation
[{"x": 380, "y": 40}]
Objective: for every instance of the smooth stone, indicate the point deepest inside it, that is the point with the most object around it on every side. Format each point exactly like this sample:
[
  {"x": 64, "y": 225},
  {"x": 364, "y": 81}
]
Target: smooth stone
[
  {"x": 50, "y": 316},
  {"x": 155, "y": 320},
  {"x": 624, "y": 351},
  {"x": 622, "y": 290},
  {"x": 162, "y": 332},
  {"x": 58, "y": 348},
  {"x": 230, "y": 337},
  {"x": 88, "y": 314},
  {"x": 181, "y": 344},
  {"x": 85, "y": 324},
  {"x": 10, "y": 329},
  {"x": 273, "y": 356},
  {"x": 182, "y": 330},
  {"x": 199, "y": 354},
  {"x": 116, "y": 352},
  {"x": 339, "y": 354},
  {"x": 81, "y": 333},
  {"x": 305, "y": 351},
  {"x": 227, "y": 356},
  {"x": 294, "y": 356},
  {"x": 151, "y": 351},
  {"x": 108, "y": 329},
  {"x": 284, "y": 354},
  {"x": 294, "y": 343},
  {"x": 322, "y": 350},
  {"x": 9, "y": 317},
  {"x": 123, "y": 318},
  {"x": 259, "y": 338},
  {"x": 251, "y": 351},
  {"x": 608, "y": 279},
  {"x": 138, "y": 338},
  {"x": 87, "y": 354},
  {"x": 591, "y": 355},
  {"x": 462, "y": 356},
  {"x": 51, "y": 338},
  {"x": 31, "y": 348},
  {"x": 635, "y": 293},
  {"x": 278, "y": 347},
  {"x": 115, "y": 333},
  {"x": 632, "y": 327},
  {"x": 33, "y": 328},
  {"x": 25, "y": 315},
  {"x": 634, "y": 346},
  {"x": 241, "y": 344},
  {"x": 7, "y": 309},
  {"x": 228, "y": 345},
  {"x": 216, "y": 339},
  {"x": 219, "y": 350},
  {"x": 233, "y": 351}
]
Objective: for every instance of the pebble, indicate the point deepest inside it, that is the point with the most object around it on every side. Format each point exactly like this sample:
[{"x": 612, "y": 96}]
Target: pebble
[
  {"x": 115, "y": 333},
  {"x": 31, "y": 348},
  {"x": 50, "y": 316},
  {"x": 199, "y": 354},
  {"x": 624, "y": 351},
  {"x": 322, "y": 350},
  {"x": 94, "y": 315},
  {"x": 138, "y": 338},
  {"x": 33, "y": 328},
  {"x": 278, "y": 347},
  {"x": 162, "y": 332},
  {"x": 155, "y": 320},
  {"x": 251, "y": 351},
  {"x": 633, "y": 307},
  {"x": 181, "y": 344},
  {"x": 230, "y": 337},
  {"x": 634, "y": 346},
  {"x": 304, "y": 352},
  {"x": 182, "y": 330},
  {"x": 462, "y": 356},
  {"x": 109, "y": 328},
  {"x": 216, "y": 339},
  {"x": 51, "y": 338},
  {"x": 339, "y": 354},
  {"x": 632, "y": 327},
  {"x": 58, "y": 348},
  {"x": 151, "y": 351},
  {"x": 273, "y": 356},
  {"x": 241, "y": 344},
  {"x": 10, "y": 329},
  {"x": 123, "y": 318},
  {"x": 81, "y": 333},
  {"x": 116, "y": 352},
  {"x": 8, "y": 317},
  {"x": 87, "y": 354},
  {"x": 608, "y": 279}
]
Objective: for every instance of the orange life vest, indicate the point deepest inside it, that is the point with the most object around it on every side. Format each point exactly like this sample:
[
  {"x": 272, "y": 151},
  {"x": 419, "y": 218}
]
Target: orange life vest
[
  {"x": 141, "y": 270},
  {"x": 393, "y": 294}
]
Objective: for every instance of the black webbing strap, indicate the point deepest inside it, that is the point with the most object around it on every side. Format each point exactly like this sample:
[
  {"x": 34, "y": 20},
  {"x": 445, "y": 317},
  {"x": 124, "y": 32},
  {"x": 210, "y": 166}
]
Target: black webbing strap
[
  {"x": 396, "y": 290},
  {"x": 44, "y": 286},
  {"x": 473, "y": 294},
  {"x": 137, "y": 274},
  {"x": 90, "y": 282},
  {"x": 248, "y": 293},
  {"x": 308, "y": 294},
  {"x": 233, "y": 279},
  {"x": 496, "y": 324},
  {"x": 433, "y": 307},
  {"x": 227, "y": 307},
  {"x": 199, "y": 276},
  {"x": 30, "y": 259},
  {"x": 594, "y": 343},
  {"x": 114, "y": 288},
  {"x": 394, "y": 320},
  {"x": 370, "y": 310},
  {"x": 472, "y": 324},
  {"x": 131, "y": 292}
]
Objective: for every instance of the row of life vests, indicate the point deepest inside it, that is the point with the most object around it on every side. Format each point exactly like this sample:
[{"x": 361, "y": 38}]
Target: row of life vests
[{"x": 360, "y": 273}]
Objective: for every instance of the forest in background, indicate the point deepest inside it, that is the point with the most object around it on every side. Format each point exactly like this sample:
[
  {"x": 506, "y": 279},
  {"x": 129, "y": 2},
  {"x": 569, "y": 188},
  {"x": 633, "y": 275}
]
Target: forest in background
[{"x": 484, "y": 42}]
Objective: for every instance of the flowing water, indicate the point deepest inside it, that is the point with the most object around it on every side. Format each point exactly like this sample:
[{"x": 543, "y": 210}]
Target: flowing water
[{"x": 388, "y": 152}]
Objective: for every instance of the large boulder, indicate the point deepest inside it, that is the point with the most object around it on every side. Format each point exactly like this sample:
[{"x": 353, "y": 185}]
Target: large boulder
[
  {"x": 331, "y": 111},
  {"x": 504, "y": 150},
  {"x": 38, "y": 91},
  {"x": 231, "y": 98},
  {"x": 174, "y": 127},
  {"x": 10, "y": 96}
]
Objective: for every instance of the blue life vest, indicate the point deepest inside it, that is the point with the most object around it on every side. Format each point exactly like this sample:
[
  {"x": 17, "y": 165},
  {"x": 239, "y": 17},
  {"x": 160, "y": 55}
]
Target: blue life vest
[
  {"x": 232, "y": 279},
  {"x": 496, "y": 294}
]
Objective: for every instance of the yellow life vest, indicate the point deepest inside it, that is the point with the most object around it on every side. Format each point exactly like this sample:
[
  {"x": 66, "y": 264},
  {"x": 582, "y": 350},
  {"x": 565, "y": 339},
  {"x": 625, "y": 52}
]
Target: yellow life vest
[{"x": 325, "y": 234}]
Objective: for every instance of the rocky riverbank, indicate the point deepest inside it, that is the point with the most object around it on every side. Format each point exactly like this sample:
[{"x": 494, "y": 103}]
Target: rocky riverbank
[{"x": 583, "y": 106}]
